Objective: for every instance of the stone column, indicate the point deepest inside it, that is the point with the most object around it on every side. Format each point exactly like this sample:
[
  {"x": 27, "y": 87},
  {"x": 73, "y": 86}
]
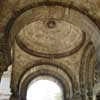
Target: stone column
[
  {"x": 5, "y": 56},
  {"x": 5, "y": 85}
]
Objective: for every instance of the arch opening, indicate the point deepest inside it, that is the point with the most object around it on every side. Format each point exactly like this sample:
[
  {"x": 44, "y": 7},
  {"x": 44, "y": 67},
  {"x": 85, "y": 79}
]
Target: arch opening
[{"x": 44, "y": 89}]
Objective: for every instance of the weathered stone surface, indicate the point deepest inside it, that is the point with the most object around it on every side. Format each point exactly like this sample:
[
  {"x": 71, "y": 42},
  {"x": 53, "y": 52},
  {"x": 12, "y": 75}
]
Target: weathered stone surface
[
  {"x": 40, "y": 38},
  {"x": 52, "y": 40},
  {"x": 41, "y": 34},
  {"x": 90, "y": 7}
]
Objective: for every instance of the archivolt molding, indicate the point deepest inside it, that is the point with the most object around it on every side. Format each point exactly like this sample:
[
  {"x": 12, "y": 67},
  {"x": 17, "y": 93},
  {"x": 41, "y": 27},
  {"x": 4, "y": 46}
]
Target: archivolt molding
[
  {"x": 55, "y": 64},
  {"x": 48, "y": 70},
  {"x": 87, "y": 70}
]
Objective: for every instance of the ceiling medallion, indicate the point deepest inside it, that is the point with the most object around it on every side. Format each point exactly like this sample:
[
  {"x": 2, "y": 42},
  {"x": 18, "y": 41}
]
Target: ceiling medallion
[{"x": 51, "y": 24}]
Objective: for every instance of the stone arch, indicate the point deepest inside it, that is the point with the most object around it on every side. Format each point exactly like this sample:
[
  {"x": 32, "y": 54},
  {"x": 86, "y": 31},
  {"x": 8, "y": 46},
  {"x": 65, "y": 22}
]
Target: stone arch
[
  {"x": 48, "y": 70},
  {"x": 87, "y": 71},
  {"x": 72, "y": 16},
  {"x": 63, "y": 67}
]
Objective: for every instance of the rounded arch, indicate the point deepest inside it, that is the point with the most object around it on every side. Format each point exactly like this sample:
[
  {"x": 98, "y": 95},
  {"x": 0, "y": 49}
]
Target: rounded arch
[
  {"x": 72, "y": 16},
  {"x": 96, "y": 91},
  {"x": 47, "y": 70},
  {"x": 53, "y": 63},
  {"x": 87, "y": 71}
]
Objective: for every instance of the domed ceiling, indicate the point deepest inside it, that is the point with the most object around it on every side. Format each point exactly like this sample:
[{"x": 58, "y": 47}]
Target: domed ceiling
[
  {"x": 50, "y": 37},
  {"x": 39, "y": 32},
  {"x": 41, "y": 36}
]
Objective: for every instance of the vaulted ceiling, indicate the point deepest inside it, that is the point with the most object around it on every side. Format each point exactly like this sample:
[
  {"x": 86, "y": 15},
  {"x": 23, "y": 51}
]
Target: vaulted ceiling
[{"x": 60, "y": 38}]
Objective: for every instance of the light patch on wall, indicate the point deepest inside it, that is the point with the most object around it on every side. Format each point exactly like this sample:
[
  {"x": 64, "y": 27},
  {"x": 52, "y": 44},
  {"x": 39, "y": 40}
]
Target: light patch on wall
[
  {"x": 44, "y": 90},
  {"x": 5, "y": 91}
]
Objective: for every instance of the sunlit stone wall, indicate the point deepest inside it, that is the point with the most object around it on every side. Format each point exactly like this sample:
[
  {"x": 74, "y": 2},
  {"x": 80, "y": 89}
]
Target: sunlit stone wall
[{"x": 5, "y": 85}]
